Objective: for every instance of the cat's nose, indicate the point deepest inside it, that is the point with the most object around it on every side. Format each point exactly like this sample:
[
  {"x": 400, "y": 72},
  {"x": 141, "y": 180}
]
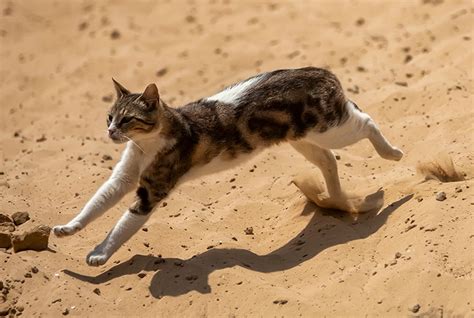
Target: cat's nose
[{"x": 111, "y": 131}]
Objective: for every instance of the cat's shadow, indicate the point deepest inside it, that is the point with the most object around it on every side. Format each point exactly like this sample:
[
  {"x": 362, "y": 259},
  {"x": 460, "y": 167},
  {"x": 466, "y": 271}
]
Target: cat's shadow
[{"x": 174, "y": 276}]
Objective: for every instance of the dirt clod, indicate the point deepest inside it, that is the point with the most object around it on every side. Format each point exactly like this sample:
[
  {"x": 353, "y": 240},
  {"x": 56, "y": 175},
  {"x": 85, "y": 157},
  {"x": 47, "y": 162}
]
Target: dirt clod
[
  {"x": 5, "y": 218},
  {"x": 249, "y": 230},
  {"x": 5, "y": 240},
  {"x": 35, "y": 239},
  {"x": 20, "y": 217}
]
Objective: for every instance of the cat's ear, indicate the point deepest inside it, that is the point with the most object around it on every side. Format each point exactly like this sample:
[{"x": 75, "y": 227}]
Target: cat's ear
[
  {"x": 150, "y": 96},
  {"x": 121, "y": 91}
]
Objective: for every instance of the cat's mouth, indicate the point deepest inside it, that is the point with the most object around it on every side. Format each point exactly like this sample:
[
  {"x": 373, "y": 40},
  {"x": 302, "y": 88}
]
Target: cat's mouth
[{"x": 118, "y": 139}]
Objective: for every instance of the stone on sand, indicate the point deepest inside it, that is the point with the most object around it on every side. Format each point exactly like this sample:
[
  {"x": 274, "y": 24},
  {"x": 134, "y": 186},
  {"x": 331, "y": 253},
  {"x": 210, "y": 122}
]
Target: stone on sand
[
  {"x": 20, "y": 217},
  {"x": 35, "y": 239}
]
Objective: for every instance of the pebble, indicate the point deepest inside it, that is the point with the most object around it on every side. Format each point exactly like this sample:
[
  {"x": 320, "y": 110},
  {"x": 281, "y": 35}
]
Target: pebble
[
  {"x": 115, "y": 34},
  {"x": 249, "y": 230},
  {"x": 415, "y": 308},
  {"x": 5, "y": 240},
  {"x": 65, "y": 312},
  {"x": 41, "y": 139},
  {"x": 161, "y": 72},
  {"x": 107, "y": 157},
  {"x": 398, "y": 255},
  {"x": 5, "y": 218},
  {"x": 441, "y": 196},
  {"x": 141, "y": 275},
  {"x": 20, "y": 217},
  {"x": 280, "y": 301},
  {"x": 96, "y": 291},
  {"x": 458, "y": 189}
]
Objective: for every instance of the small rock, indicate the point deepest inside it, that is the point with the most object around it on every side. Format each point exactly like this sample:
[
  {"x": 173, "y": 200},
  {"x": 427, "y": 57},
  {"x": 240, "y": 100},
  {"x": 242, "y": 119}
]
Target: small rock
[
  {"x": 5, "y": 240},
  {"x": 34, "y": 270},
  {"x": 458, "y": 189},
  {"x": 249, "y": 230},
  {"x": 5, "y": 218},
  {"x": 4, "y": 309},
  {"x": 106, "y": 157},
  {"x": 115, "y": 34},
  {"x": 398, "y": 255},
  {"x": 28, "y": 275},
  {"x": 161, "y": 72},
  {"x": 7, "y": 227},
  {"x": 36, "y": 239},
  {"x": 41, "y": 139},
  {"x": 415, "y": 308},
  {"x": 20, "y": 308},
  {"x": 441, "y": 196},
  {"x": 96, "y": 291},
  {"x": 360, "y": 21},
  {"x": 20, "y": 217},
  {"x": 141, "y": 275},
  {"x": 66, "y": 312},
  {"x": 107, "y": 98},
  {"x": 280, "y": 301}
]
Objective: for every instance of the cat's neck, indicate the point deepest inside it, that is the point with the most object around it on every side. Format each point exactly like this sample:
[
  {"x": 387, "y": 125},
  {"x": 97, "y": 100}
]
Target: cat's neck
[{"x": 163, "y": 136}]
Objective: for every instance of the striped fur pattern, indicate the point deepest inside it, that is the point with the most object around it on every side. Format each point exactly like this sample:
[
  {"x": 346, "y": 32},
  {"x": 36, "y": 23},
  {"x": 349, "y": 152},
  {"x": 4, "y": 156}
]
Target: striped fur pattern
[{"x": 305, "y": 107}]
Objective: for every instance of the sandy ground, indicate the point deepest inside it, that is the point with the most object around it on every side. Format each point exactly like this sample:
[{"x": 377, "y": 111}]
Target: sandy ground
[{"x": 407, "y": 63}]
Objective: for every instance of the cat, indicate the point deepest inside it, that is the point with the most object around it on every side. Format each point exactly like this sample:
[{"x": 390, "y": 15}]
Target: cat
[{"x": 167, "y": 146}]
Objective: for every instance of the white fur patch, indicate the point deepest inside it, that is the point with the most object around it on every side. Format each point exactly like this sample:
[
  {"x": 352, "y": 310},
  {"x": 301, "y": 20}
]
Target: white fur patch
[
  {"x": 231, "y": 94},
  {"x": 353, "y": 130}
]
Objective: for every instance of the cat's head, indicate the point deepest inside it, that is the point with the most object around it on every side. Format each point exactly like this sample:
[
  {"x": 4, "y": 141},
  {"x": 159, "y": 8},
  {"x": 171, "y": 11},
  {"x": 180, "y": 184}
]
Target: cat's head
[{"x": 133, "y": 116}]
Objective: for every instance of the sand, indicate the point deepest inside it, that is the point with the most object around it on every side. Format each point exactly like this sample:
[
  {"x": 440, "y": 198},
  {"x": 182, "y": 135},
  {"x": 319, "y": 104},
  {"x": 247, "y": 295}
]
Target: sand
[{"x": 407, "y": 63}]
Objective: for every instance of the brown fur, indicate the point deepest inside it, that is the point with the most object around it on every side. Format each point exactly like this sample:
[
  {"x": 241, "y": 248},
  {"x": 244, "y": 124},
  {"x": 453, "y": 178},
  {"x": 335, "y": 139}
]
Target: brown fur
[{"x": 283, "y": 105}]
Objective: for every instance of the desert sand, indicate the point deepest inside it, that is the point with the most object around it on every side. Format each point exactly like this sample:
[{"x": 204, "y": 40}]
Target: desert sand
[{"x": 407, "y": 63}]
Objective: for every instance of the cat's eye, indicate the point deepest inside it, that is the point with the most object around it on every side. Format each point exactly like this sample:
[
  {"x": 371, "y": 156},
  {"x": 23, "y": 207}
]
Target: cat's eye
[{"x": 125, "y": 120}]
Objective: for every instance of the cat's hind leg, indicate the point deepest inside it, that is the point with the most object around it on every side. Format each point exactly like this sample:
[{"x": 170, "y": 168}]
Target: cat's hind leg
[
  {"x": 334, "y": 198},
  {"x": 356, "y": 127}
]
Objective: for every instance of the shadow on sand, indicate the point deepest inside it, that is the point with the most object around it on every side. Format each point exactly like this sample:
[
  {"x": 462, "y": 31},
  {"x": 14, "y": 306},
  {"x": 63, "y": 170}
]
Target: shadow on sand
[{"x": 174, "y": 276}]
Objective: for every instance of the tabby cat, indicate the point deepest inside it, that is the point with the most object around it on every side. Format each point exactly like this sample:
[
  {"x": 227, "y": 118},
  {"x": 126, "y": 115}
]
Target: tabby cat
[{"x": 166, "y": 146}]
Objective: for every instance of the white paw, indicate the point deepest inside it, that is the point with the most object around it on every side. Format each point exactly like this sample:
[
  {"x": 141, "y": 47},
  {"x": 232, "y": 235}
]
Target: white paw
[
  {"x": 397, "y": 154},
  {"x": 97, "y": 258},
  {"x": 66, "y": 230}
]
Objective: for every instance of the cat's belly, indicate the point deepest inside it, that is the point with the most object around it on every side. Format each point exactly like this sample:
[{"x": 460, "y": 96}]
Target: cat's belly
[{"x": 218, "y": 164}]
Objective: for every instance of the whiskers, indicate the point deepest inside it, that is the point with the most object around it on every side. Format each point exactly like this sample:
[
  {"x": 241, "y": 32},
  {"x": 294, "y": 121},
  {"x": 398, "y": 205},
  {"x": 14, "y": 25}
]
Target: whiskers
[{"x": 130, "y": 139}]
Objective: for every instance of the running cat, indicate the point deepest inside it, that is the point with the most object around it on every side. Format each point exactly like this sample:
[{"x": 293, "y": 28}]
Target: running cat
[{"x": 166, "y": 146}]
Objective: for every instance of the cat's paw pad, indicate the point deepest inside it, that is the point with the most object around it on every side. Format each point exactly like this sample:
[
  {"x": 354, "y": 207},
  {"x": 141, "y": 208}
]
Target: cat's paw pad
[
  {"x": 66, "y": 230},
  {"x": 97, "y": 258}
]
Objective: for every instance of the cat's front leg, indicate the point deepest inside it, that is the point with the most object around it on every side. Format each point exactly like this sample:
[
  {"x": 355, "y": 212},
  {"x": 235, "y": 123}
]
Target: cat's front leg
[
  {"x": 130, "y": 222},
  {"x": 128, "y": 225},
  {"x": 123, "y": 180}
]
